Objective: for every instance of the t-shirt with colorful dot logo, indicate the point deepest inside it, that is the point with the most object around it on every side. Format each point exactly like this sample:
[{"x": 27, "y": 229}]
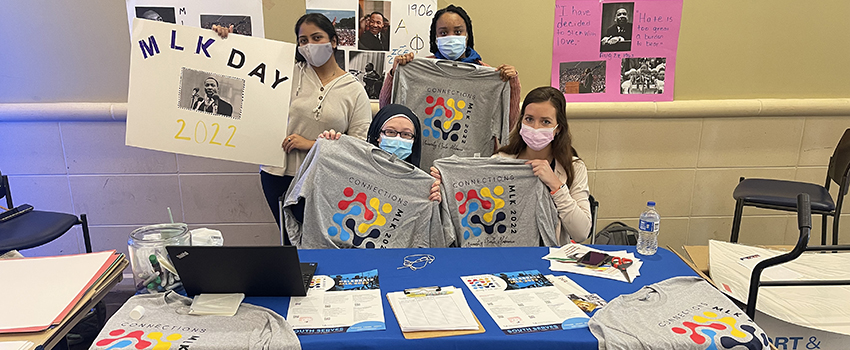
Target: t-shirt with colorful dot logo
[
  {"x": 677, "y": 313},
  {"x": 166, "y": 324},
  {"x": 496, "y": 202},
  {"x": 359, "y": 196},
  {"x": 463, "y": 107}
]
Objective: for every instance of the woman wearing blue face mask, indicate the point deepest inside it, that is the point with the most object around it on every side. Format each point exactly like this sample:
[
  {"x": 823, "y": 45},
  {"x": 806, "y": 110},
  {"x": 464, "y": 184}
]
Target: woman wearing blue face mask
[
  {"x": 323, "y": 97},
  {"x": 542, "y": 137},
  {"x": 395, "y": 129},
  {"x": 452, "y": 39}
]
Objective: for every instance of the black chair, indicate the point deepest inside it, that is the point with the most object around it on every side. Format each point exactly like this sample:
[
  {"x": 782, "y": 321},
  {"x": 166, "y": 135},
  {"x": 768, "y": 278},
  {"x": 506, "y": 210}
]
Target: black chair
[
  {"x": 594, "y": 207},
  {"x": 36, "y": 227},
  {"x": 781, "y": 194},
  {"x": 804, "y": 222}
]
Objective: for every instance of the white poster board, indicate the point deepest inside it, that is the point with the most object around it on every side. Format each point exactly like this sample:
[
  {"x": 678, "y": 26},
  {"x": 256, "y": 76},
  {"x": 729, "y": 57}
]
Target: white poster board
[
  {"x": 246, "y": 16},
  {"x": 192, "y": 92},
  {"x": 408, "y": 30}
]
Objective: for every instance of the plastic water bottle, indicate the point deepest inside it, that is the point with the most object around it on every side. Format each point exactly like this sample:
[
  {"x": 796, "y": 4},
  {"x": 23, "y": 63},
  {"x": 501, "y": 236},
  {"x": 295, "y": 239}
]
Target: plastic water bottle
[{"x": 647, "y": 243}]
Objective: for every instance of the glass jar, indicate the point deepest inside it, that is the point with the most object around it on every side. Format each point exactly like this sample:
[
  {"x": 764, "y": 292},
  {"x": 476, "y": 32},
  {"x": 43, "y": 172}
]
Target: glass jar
[{"x": 152, "y": 269}]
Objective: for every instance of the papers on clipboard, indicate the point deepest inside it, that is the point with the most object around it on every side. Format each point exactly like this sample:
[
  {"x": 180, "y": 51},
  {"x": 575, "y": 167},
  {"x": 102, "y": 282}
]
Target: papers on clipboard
[
  {"x": 525, "y": 302},
  {"x": 443, "y": 310},
  {"x": 565, "y": 259},
  {"x": 42, "y": 291}
]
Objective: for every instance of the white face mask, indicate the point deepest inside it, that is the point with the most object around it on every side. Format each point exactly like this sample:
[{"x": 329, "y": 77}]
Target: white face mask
[{"x": 316, "y": 54}]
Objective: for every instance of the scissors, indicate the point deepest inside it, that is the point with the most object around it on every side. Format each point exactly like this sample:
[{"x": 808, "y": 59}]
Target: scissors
[{"x": 622, "y": 264}]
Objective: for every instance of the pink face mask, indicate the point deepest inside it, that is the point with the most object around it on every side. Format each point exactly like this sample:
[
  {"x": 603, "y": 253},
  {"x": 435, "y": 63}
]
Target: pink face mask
[{"x": 537, "y": 139}]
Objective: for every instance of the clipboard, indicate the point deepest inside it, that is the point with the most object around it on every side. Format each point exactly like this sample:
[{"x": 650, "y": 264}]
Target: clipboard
[{"x": 438, "y": 334}]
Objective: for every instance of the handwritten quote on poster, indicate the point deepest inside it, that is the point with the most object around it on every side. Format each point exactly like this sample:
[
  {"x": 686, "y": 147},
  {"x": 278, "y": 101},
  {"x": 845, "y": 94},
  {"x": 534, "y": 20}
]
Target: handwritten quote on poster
[{"x": 615, "y": 51}]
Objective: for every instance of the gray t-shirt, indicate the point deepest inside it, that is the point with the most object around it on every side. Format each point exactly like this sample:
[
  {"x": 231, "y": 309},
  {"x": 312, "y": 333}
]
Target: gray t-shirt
[
  {"x": 495, "y": 202},
  {"x": 462, "y": 106},
  {"x": 677, "y": 313},
  {"x": 166, "y": 324},
  {"x": 359, "y": 196}
]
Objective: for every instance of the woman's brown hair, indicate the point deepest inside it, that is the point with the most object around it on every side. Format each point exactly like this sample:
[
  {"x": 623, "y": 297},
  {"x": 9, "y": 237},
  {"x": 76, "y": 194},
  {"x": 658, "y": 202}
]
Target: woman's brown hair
[{"x": 562, "y": 145}]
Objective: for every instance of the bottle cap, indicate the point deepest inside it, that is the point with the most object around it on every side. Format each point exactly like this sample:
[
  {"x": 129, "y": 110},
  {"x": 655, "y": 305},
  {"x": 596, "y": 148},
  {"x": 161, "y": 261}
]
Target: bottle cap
[{"x": 650, "y": 203}]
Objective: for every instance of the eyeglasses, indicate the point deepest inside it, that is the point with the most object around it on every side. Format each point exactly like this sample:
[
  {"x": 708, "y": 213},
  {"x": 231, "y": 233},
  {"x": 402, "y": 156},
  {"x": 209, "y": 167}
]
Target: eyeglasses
[{"x": 393, "y": 133}]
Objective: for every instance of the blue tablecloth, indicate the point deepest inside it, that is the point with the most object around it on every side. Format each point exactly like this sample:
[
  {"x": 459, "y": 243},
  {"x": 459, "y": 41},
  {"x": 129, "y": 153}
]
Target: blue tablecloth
[{"x": 450, "y": 264}]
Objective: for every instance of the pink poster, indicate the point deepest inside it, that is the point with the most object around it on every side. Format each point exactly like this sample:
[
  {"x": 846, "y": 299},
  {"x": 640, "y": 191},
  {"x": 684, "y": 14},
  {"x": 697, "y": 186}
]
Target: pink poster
[{"x": 615, "y": 51}]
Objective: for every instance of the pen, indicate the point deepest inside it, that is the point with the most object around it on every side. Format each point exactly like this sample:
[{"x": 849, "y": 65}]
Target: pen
[{"x": 148, "y": 280}]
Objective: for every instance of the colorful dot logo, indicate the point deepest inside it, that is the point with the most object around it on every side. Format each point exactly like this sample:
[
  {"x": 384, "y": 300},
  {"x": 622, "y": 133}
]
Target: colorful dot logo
[
  {"x": 443, "y": 118},
  {"x": 347, "y": 227},
  {"x": 124, "y": 341},
  {"x": 706, "y": 326},
  {"x": 479, "y": 210}
]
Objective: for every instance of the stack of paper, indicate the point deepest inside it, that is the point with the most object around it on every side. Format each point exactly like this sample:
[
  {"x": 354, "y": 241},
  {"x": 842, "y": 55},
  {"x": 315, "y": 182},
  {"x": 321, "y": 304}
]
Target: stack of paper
[
  {"x": 40, "y": 292},
  {"x": 565, "y": 259},
  {"x": 446, "y": 310},
  {"x": 15, "y": 345}
]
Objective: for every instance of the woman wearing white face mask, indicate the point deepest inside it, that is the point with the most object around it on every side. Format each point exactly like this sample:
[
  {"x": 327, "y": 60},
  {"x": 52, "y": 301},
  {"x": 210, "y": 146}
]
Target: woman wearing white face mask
[
  {"x": 542, "y": 136},
  {"x": 452, "y": 39},
  {"x": 323, "y": 97}
]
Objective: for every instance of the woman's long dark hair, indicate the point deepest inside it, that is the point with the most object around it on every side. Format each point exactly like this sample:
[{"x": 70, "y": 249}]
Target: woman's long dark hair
[
  {"x": 319, "y": 20},
  {"x": 562, "y": 145},
  {"x": 470, "y": 39}
]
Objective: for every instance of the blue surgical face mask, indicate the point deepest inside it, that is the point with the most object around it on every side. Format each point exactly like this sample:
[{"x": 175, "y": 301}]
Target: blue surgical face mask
[
  {"x": 402, "y": 148},
  {"x": 452, "y": 46}
]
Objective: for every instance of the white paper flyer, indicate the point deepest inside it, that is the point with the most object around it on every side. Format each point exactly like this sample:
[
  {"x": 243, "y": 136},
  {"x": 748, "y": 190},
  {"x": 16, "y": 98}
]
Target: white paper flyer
[
  {"x": 338, "y": 304},
  {"x": 525, "y": 302}
]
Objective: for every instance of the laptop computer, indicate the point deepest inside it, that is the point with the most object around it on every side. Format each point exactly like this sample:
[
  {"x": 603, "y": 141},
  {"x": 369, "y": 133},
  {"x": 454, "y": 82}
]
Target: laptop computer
[{"x": 254, "y": 271}]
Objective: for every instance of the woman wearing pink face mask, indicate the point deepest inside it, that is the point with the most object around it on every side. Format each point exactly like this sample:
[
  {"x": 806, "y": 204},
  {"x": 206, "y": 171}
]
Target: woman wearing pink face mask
[{"x": 543, "y": 138}]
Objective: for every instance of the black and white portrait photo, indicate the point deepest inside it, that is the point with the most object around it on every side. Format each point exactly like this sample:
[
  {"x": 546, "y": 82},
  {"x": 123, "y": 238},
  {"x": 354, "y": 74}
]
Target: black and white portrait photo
[
  {"x": 582, "y": 77},
  {"x": 241, "y": 24},
  {"x": 644, "y": 75},
  {"x": 211, "y": 93},
  {"x": 374, "y": 33},
  {"x": 617, "y": 26},
  {"x": 368, "y": 68},
  {"x": 160, "y": 14}
]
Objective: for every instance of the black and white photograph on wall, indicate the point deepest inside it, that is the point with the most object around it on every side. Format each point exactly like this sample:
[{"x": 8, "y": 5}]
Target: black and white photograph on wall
[
  {"x": 374, "y": 31},
  {"x": 617, "y": 26},
  {"x": 368, "y": 68},
  {"x": 241, "y": 24},
  {"x": 161, "y": 14},
  {"x": 582, "y": 77},
  {"x": 211, "y": 93},
  {"x": 344, "y": 23},
  {"x": 643, "y": 75}
]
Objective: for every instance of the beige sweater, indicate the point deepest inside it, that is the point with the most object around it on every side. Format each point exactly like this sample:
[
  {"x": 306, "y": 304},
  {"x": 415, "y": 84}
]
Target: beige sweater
[{"x": 341, "y": 105}]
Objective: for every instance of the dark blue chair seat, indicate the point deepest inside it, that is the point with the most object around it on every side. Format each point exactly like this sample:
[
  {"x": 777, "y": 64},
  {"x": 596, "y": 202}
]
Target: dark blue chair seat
[
  {"x": 777, "y": 194},
  {"x": 34, "y": 229},
  {"x": 782, "y": 195}
]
